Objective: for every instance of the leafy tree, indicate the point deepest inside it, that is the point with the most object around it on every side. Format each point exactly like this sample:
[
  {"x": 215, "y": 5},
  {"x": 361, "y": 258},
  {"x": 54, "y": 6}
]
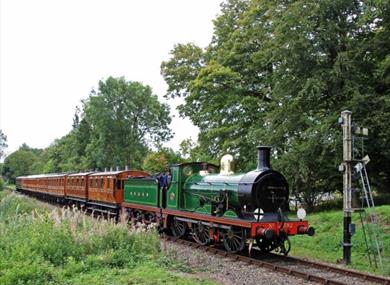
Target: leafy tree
[
  {"x": 20, "y": 163},
  {"x": 62, "y": 155},
  {"x": 3, "y": 143},
  {"x": 123, "y": 118},
  {"x": 186, "y": 147},
  {"x": 280, "y": 73},
  {"x": 192, "y": 151},
  {"x": 160, "y": 160},
  {"x": 155, "y": 162}
]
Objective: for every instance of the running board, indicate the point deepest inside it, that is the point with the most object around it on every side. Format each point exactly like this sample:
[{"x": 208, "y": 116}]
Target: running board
[{"x": 211, "y": 225}]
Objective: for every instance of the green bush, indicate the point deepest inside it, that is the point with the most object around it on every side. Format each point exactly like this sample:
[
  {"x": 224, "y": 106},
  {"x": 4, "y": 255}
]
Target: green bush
[{"x": 1, "y": 183}]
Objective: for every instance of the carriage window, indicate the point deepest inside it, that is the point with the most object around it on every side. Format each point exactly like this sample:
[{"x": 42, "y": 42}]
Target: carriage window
[
  {"x": 118, "y": 184},
  {"x": 113, "y": 184},
  {"x": 102, "y": 183}
]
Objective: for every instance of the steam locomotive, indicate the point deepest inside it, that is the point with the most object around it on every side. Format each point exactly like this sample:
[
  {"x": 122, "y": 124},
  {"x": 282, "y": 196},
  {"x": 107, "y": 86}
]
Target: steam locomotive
[{"x": 198, "y": 199}]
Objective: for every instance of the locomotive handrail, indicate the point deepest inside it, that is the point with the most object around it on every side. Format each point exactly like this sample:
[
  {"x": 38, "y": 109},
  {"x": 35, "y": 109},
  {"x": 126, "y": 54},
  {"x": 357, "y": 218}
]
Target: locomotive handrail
[{"x": 212, "y": 183}]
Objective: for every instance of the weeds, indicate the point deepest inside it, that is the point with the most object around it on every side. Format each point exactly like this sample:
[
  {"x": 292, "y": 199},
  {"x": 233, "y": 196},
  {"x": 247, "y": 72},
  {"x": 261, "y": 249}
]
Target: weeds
[{"x": 64, "y": 246}]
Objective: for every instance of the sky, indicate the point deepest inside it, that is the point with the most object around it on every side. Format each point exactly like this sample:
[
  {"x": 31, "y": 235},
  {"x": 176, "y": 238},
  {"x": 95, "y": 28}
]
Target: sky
[{"x": 52, "y": 53}]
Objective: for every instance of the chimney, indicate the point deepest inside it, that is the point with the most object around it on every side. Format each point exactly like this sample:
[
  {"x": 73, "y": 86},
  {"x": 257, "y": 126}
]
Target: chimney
[{"x": 263, "y": 157}]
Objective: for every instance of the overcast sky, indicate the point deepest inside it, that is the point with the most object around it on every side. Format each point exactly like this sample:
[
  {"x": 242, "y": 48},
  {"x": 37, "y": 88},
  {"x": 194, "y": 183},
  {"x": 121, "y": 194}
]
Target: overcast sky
[{"x": 52, "y": 53}]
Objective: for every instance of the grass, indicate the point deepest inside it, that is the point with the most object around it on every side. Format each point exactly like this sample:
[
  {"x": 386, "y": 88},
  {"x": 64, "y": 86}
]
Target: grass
[
  {"x": 43, "y": 246},
  {"x": 10, "y": 186},
  {"x": 63, "y": 246},
  {"x": 325, "y": 245}
]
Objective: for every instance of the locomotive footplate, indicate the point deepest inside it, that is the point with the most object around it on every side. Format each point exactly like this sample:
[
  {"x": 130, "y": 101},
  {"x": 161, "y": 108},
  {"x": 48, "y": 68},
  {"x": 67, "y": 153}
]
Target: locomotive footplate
[{"x": 256, "y": 228}]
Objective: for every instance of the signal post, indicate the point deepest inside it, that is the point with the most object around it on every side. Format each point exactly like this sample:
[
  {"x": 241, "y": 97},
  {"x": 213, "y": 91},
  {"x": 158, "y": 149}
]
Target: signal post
[{"x": 346, "y": 167}]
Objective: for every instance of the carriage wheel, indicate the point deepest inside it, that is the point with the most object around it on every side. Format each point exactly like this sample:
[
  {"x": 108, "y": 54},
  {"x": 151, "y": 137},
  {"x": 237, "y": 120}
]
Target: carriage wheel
[
  {"x": 201, "y": 233},
  {"x": 148, "y": 217},
  {"x": 178, "y": 228},
  {"x": 234, "y": 240}
]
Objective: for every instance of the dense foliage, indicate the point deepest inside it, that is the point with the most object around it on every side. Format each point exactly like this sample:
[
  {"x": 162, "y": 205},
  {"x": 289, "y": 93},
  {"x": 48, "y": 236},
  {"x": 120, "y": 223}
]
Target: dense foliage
[
  {"x": 24, "y": 161},
  {"x": 159, "y": 161},
  {"x": 279, "y": 73},
  {"x": 124, "y": 117},
  {"x": 77, "y": 249}
]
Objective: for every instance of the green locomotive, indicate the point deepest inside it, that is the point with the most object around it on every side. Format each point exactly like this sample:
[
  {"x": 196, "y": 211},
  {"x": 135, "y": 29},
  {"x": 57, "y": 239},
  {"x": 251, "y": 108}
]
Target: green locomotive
[{"x": 217, "y": 205}]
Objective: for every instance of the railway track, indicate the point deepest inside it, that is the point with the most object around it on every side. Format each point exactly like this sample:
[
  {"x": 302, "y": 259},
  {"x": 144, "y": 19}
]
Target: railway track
[{"x": 297, "y": 267}]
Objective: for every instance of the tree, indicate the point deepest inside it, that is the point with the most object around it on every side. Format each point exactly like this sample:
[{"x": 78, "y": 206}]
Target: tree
[
  {"x": 186, "y": 147},
  {"x": 155, "y": 162},
  {"x": 123, "y": 118},
  {"x": 160, "y": 160},
  {"x": 280, "y": 73},
  {"x": 62, "y": 155},
  {"x": 3, "y": 143},
  {"x": 192, "y": 151},
  {"x": 20, "y": 163}
]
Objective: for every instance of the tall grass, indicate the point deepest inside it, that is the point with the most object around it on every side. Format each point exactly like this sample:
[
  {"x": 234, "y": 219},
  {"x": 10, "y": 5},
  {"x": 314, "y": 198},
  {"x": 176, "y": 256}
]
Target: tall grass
[{"x": 64, "y": 246}]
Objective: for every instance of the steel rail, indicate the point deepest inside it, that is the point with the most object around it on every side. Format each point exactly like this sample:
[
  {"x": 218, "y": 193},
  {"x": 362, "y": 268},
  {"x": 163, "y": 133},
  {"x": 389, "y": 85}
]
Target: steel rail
[
  {"x": 348, "y": 272},
  {"x": 285, "y": 269}
]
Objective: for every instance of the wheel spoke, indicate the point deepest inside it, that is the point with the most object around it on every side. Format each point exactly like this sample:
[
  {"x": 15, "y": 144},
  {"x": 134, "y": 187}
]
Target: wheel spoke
[
  {"x": 201, "y": 234},
  {"x": 178, "y": 228},
  {"x": 234, "y": 240}
]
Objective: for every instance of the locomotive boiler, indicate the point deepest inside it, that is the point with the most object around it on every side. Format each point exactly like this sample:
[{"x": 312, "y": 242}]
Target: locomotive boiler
[{"x": 260, "y": 192}]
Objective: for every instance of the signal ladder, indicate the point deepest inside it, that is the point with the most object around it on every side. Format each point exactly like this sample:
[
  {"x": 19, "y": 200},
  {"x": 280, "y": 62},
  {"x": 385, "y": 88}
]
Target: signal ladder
[{"x": 369, "y": 220}]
